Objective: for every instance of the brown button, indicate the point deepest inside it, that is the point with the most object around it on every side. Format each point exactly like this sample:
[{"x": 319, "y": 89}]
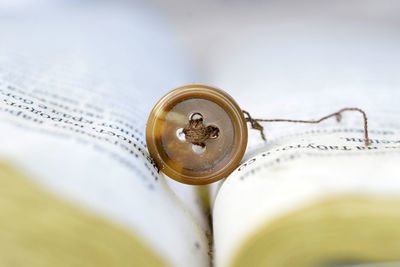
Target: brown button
[{"x": 196, "y": 134}]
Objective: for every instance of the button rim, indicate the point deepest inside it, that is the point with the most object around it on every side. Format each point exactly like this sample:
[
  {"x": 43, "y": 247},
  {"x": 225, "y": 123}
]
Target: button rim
[{"x": 189, "y": 92}]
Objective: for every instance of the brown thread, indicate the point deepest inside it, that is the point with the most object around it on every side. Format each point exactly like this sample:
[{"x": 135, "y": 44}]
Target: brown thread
[
  {"x": 257, "y": 126},
  {"x": 196, "y": 133}
]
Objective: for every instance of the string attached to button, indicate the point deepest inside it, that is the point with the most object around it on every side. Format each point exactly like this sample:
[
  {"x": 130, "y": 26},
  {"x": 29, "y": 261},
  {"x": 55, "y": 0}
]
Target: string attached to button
[
  {"x": 197, "y": 134},
  {"x": 338, "y": 114}
]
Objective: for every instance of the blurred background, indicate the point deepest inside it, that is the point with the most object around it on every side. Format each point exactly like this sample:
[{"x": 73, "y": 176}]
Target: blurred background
[
  {"x": 263, "y": 50},
  {"x": 270, "y": 51},
  {"x": 276, "y": 58}
]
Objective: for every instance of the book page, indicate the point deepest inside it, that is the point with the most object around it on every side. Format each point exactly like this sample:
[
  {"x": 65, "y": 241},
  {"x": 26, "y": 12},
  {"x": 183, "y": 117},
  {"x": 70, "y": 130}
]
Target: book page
[
  {"x": 76, "y": 87},
  {"x": 304, "y": 61},
  {"x": 297, "y": 173}
]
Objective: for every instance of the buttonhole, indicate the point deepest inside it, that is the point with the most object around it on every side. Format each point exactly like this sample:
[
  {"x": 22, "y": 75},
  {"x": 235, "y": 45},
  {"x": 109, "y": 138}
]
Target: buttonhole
[{"x": 198, "y": 149}]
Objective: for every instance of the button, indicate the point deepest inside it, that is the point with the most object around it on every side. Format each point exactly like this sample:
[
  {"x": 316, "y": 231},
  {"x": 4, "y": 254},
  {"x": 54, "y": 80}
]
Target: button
[{"x": 196, "y": 134}]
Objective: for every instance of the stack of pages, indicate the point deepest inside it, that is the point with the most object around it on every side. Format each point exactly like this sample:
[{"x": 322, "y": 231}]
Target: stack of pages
[{"x": 78, "y": 187}]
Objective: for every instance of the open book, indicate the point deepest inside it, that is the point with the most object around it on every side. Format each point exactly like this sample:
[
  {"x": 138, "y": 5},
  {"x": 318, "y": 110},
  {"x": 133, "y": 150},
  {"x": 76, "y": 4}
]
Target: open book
[{"x": 77, "y": 186}]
